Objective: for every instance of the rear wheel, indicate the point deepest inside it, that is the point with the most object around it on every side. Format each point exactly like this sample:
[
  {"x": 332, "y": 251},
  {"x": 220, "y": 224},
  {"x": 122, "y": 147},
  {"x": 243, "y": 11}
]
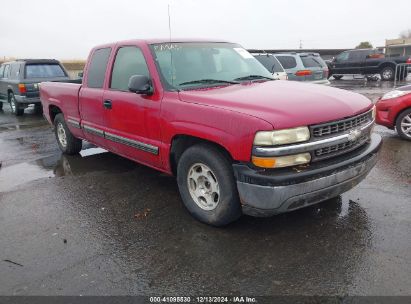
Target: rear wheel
[
  {"x": 68, "y": 144},
  {"x": 207, "y": 186},
  {"x": 387, "y": 73},
  {"x": 337, "y": 77},
  {"x": 403, "y": 124},
  {"x": 14, "y": 106}
]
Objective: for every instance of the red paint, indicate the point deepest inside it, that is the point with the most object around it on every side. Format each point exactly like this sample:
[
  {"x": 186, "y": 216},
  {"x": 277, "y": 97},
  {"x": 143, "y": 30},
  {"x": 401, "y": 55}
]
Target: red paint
[
  {"x": 389, "y": 109},
  {"x": 227, "y": 115}
]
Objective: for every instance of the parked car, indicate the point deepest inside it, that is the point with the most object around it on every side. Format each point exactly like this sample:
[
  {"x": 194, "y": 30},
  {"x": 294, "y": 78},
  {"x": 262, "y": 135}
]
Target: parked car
[
  {"x": 394, "y": 111},
  {"x": 367, "y": 62},
  {"x": 211, "y": 114},
  {"x": 304, "y": 67},
  {"x": 19, "y": 82},
  {"x": 272, "y": 65}
]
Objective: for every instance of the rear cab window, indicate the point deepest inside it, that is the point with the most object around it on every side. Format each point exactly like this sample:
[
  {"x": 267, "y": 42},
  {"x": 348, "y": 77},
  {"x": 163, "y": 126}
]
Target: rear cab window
[
  {"x": 97, "y": 69},
  {"x": 288, "y": 62},
  {"x": 43, "y": 70},
  {"x": 129, "y": 61}
]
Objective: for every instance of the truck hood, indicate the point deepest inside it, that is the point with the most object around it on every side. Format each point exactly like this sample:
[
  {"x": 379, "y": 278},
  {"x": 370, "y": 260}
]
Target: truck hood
[{"x": 284, "y": 104}]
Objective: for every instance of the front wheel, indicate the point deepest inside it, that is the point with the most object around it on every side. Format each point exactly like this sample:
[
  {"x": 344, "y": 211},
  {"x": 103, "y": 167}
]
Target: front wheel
[
  {"x": 14, "y": 106},
  {"x": 207, "y": 185},
  {"x": 68, "y": 144},
  {"x": 403, "y": 124}
]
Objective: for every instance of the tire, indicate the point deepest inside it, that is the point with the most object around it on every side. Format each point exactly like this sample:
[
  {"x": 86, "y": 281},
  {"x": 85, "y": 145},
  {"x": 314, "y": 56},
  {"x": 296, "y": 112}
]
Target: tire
[
  {"x": 202, "y": 164},
  {"x": 38, "y": 108},
  {"x": 403, "y": 124},
  {"x": 387, "y": 73},
  {"x": 14, "y": 106},
  {"x": 338, "y": 77},
  {"x": 68, "y": 144}
]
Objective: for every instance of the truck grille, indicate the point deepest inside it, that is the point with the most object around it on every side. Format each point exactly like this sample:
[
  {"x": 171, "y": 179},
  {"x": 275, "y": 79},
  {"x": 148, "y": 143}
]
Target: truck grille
[
  {"x": 335, "y": 150},
  {"x": 341, "y": 126}
]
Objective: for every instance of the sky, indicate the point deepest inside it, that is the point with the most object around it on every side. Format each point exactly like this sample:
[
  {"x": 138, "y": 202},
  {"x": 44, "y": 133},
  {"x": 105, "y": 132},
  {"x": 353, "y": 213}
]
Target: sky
[{"x": 68, "y": 29}]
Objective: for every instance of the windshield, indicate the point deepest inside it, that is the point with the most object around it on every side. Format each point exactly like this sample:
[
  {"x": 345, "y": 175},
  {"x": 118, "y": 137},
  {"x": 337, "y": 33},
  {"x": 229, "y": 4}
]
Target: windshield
[{"x": 193, "y": 65}]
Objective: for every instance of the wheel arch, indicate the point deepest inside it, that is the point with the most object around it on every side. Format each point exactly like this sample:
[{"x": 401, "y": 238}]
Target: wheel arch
[
  {"x": 9, "y": 91},
  {"x": 387, "y": 64},
  {"x": 182, "y": 142},
  {"x": 399, "y": 113},
  {"x": 53, "y": 111}
]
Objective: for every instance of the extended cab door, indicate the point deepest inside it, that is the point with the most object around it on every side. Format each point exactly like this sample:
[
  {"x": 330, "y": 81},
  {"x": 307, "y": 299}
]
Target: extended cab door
[
  {"x": 92, "y": 109},
  {"x": 133, "y": 122}
]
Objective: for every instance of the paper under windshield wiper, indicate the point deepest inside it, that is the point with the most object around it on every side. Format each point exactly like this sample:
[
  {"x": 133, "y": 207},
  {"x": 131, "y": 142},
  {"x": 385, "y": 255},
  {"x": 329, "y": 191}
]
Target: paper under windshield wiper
[
  {"x": 208, "y": 81},
  {"x": 251, "y": 77}
]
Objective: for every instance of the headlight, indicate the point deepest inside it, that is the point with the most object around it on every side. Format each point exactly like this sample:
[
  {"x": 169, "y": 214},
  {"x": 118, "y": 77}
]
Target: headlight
[
  {"x": 394, "y": 94},
  {"x": 281, "y": 137}
]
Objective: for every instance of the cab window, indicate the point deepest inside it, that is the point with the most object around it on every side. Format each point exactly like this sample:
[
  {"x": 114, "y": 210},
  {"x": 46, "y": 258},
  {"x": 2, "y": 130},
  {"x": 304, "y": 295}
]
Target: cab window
[
  {"x": 97, "y": 69},
  {"x": 6, "y": 71},
  {"x": 129, "y": 61},
  {"x": 342, "y": 56}
]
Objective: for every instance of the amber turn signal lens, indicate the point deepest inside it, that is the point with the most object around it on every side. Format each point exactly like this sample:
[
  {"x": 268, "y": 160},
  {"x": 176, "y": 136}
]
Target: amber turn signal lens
[
  {"x": 263, "y": 162},
  {"x": 281, "y": 161}
]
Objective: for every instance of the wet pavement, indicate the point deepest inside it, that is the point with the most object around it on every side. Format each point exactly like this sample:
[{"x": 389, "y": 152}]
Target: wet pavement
[{"x": 99, "y": 224}]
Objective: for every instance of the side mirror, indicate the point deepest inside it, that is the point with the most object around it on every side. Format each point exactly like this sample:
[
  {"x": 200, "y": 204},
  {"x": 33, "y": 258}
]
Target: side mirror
[
  {"x": 80, "y": 74},
  {"x": 140, "y": 84}
]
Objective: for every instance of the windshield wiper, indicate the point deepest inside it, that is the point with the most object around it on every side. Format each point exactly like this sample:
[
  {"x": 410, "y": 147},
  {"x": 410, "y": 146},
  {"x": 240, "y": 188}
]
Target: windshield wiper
[
  {"x": 208, "y": 81},
  {"x": 252, "y": 77}
]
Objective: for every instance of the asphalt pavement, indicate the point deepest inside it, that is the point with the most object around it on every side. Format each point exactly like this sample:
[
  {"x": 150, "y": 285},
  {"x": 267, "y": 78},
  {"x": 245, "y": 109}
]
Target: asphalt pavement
[{"x": 99, "y": 224}]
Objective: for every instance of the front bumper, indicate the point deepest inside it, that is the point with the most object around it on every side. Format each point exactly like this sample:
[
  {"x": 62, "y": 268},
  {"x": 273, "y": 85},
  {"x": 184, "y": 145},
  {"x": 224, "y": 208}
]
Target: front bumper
[
  {"x": 263, "y": 193},
  {"x": 27, "y": 100}
]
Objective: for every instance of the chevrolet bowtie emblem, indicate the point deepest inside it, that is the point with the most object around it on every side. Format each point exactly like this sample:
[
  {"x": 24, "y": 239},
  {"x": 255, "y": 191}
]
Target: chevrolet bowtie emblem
[{"x": 354, "y": 135}]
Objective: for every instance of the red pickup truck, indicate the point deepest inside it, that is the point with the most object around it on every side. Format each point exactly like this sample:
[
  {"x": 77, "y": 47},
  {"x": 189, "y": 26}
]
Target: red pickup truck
[{"x": 211, "y": 114}]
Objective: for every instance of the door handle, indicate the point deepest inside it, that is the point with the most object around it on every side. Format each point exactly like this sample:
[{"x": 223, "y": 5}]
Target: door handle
[{"x": 107, "y": 104}]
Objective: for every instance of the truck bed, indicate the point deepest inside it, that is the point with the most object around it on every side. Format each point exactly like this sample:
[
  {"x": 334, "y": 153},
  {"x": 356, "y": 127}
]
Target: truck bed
[{"x": 64, "y": 95}]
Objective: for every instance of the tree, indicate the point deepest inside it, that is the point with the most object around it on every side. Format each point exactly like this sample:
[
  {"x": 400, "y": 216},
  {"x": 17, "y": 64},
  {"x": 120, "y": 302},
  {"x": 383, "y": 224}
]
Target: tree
[
  {"x": 364, "y": 45},
  {"x": 406, "y": 34}
]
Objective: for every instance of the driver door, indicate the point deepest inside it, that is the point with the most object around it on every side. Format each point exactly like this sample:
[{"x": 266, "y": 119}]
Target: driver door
[
  {"x": 339, "y": 65},
  {"x": 132, "y": 120}
]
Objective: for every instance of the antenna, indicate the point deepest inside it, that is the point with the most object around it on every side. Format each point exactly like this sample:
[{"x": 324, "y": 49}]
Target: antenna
[{"x": 169, "y": 22}]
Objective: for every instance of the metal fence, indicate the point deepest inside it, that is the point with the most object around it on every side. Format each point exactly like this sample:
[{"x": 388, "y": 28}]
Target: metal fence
[{"x": 401, "y": 73}]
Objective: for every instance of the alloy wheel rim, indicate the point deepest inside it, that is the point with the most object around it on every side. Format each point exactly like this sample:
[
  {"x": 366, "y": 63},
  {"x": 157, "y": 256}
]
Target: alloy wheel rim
[
  {"x": 387, "y": 74},
  {"x": 203, "y": 186},
  {"x": 61, "y": 134},
  {"x": 406, "y": 125}
]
